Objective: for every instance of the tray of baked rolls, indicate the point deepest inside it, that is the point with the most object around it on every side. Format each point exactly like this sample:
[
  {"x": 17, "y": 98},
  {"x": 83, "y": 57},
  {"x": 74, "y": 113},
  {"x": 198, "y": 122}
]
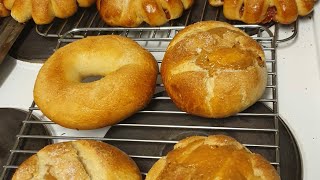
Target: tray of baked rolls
[
  {"x": 172, "y": 94},
  {"x": 89, "y": 19},
  {"x": 151, "y": 122}
]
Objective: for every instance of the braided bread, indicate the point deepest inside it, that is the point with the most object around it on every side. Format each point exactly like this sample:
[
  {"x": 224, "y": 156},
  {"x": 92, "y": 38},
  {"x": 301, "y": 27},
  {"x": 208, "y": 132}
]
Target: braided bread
[
  {"x": 43, "y": 11},
  {"x": 263, "y": 11},
  {"x": 4, "y": 12},
  {"x": 213, "y": 157},
  {"x": 131, "y": 13}
]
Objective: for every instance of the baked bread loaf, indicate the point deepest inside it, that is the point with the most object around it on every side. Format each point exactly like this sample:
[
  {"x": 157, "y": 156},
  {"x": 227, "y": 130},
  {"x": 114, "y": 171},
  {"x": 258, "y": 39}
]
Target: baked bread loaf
[
  {"x": 83, "y": 159},
  {"x": 4, "y": 12},
  {"x": 213, "y": 157},
  {"x": 131, "y": 13},
  {"x": 44, "y": 11},
  {"x": 212, "y": 69},
  {"x": 263, "y": 11},
  {"x": 128, "y": 81}
]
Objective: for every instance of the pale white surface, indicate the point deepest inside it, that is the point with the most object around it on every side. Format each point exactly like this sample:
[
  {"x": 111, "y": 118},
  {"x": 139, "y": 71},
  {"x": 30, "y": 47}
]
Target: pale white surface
[{"x": 299, "y": 90}]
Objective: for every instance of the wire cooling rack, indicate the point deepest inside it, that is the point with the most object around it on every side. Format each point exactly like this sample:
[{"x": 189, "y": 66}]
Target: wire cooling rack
[
  {"x": 152, "y": 132},
  {"x": 89, "y": 19},
  {"x": 257, "y": 128}
]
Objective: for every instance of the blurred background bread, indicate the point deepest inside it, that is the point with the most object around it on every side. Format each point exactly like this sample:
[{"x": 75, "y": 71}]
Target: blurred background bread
[
  {"x": 213, "y": 157},
  {"x": 82, "y": 159},
  {"x": 131, "y": 13},
  {"x": 263, "y": 11},
  {"x": 212, "y": 69},
  {"x": 4, "y": 12},
  {"x": 44, "y": 11}
]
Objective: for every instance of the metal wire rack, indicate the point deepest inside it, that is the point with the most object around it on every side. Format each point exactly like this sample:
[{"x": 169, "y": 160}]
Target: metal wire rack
[
  {"x": 258, "y": 122},
  {"x": 161, "y": 124},
  {"x": 89, "y": 19}
]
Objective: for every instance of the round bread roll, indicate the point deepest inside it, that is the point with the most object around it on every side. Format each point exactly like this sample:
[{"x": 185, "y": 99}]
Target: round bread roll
[
  {"x": 44, "y": 11},
  {"x": 131, "y": 13},
  {"x": 82, "y": 159},
  {"x": 128, "y": 81},
  {"x": 212, "y": 69},
  {"x": 213, "y": 157}
]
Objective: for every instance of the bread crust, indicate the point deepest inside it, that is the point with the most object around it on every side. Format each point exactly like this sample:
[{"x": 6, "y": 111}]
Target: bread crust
[
  {"x": 262, "y": 11},
  {"x": 44, "y": 11},
  {"x": 212, "y": 69},
  {"x": 4, "y": 12},
  {"x": 129, "y": 80},
  {"x": 82, "y": 159},
  {"x": 131, "y": 13},
  {"x": 213, "y": 157}
]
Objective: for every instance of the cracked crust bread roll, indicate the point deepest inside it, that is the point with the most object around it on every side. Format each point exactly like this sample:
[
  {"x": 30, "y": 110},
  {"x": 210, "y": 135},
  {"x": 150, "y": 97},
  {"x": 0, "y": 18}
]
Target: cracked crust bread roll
[
  {"x": 82, "y": 159},
  {"x": 214, "y": 157},
  {"x": 212, "y": 69}
]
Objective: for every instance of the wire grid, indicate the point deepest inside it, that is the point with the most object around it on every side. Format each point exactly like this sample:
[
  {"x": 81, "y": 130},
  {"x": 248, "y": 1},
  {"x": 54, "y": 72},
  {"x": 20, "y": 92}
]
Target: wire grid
[
  {"x": 155, "y": 40},
  {"x": 259, "y": 124},
  {"x": 89, "y": 19}
]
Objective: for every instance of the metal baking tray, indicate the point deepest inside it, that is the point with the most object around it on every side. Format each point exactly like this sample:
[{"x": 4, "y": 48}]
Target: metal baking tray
[
  {"x": 11, "y": 121},
  {"x": 10, "y": 30}
]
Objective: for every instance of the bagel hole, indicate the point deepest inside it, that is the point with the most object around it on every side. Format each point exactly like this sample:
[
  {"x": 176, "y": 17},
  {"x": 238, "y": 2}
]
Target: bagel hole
[{"x": 89, "y": 79}]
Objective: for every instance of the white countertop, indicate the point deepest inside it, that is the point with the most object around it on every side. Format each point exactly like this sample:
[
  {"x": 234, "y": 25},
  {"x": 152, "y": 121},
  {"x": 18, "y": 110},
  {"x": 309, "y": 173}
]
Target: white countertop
[{"x": 299, "y": 89}]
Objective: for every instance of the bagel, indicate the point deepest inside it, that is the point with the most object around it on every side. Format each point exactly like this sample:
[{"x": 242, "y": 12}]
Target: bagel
[
  {"x": 128, "y": 81},
  {"x": 82, "y": 159},
  {"x": 212, "y": 157},
  {"x": 214, "y": 70}
]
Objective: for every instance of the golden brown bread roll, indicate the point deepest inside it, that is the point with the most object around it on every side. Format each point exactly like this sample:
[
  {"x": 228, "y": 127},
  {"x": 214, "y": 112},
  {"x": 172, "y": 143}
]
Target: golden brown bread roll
[
  {"x": 129, "y": 79},
  {"x": 257, "y": 11},
  {"x": 212, "y": 69},
  {"x": 213, "y": 157},
  {"x": 131, "y": 13},
  {"x": 82, "y": 159},
  {"x": 4, "y": 12},
  {"x": 44, "y": 11}
]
